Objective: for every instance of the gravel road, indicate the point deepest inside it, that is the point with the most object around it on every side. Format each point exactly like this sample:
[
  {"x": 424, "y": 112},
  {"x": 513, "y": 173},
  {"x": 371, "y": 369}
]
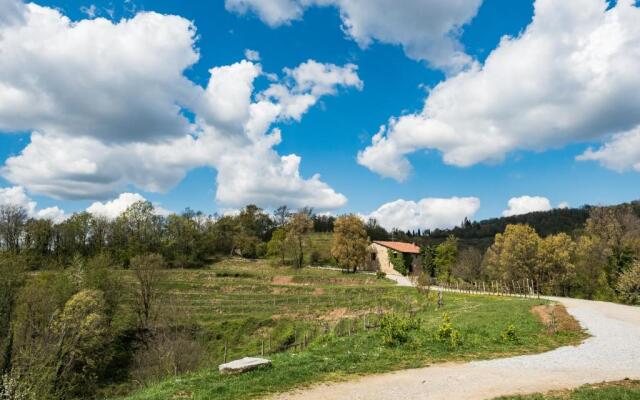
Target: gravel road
[{"x": 612, "y": 353}]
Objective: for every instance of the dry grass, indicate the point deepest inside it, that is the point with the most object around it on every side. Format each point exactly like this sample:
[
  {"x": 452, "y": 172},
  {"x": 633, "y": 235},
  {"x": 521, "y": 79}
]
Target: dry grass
[{"x": 556, "y": 318}]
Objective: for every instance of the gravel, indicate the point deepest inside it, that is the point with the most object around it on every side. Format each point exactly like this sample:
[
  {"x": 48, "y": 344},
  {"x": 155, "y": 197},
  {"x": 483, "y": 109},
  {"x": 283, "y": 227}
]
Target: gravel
[{"x": 612, "y": 353}]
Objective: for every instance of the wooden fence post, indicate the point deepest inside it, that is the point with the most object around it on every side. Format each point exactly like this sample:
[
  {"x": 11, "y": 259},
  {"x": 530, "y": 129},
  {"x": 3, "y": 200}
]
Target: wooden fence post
[{"x": 225, "y": 352}]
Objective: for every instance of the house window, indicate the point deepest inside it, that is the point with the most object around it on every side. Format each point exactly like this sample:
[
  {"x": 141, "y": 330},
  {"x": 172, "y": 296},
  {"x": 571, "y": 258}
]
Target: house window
[{"x": 373, "y": 256}]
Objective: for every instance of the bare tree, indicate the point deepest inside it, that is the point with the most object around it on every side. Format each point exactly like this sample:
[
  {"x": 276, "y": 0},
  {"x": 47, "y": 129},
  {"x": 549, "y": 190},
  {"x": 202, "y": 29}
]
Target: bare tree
[{"x": 149, "y": 272}]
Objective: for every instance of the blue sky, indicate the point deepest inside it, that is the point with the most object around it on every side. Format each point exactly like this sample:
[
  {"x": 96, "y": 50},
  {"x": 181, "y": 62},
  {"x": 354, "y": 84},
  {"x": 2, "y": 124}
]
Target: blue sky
[{"x": 332, "y": 132}]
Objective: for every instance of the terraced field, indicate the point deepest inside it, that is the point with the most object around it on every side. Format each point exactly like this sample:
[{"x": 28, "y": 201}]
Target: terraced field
[{"x": 319, "y": 325}]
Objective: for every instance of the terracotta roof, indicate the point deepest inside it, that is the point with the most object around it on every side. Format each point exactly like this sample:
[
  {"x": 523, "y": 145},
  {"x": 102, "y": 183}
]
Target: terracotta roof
[{"x": 401, "y": 247}]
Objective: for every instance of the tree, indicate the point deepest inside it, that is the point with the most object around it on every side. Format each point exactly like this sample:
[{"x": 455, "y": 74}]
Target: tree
[
  {"x": 514, "y": 254},
  {"x": 591, "y": 264},
  {"x": 11, "y": 278},
  {"x": 12, "y": 221},
  {"x": 281, "y": 215},
  {"x": 557, "y": 269},
  {"x": 445, "y": 258},
  {"x": 82, "y": 337},
  {"x": 277, "y": 246},
  {"x": 298, "y": 229},
  {"x": 148, "y": 270},
  {"x": 350, "y": 243},
  {"x": 468, "y": 266},
  {"x": 375, "y": 231},
  {"x": 618, "y": 228},
  {"x": 628, "y": 286}
]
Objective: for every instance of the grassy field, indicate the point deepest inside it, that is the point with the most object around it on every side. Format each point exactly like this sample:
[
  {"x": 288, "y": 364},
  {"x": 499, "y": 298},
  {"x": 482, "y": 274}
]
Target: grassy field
[
  {"x": 622, "y": 390},
  {"x": 327, "y": 323}
]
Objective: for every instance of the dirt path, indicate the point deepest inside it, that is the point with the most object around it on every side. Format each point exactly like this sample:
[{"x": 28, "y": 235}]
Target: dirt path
[{"x": 612, "y": 353}]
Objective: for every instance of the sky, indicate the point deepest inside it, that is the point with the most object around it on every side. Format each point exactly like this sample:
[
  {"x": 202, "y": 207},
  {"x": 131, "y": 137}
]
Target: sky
[{"x": 417, "y": 113}]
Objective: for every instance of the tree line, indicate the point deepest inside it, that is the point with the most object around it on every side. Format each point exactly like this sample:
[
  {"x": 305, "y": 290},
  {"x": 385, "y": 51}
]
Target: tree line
[{"x": 599, "y": 260}]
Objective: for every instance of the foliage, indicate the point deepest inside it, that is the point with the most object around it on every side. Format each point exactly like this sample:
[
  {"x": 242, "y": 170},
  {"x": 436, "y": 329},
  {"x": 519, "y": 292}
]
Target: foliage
[
  {"x": 12, "y": 388},
  {"x": 11, "y": 279},
  {"x": 447, "y": 333},
  {"x": 628, "y": 286},
  {"x": 381, "y": 275},
  {"x": 509, "y": 334},
  {"x": 395, "y": 328},
  {"x": 350, "y": 242},
  {"x": 397, "y": 260},
  {"x": 445, "y": 258},
  {"x": 514, "y": 254},
  {"x": 277, "y": 246}
]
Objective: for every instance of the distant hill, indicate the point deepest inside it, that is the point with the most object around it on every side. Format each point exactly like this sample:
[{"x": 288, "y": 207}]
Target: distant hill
[{"x": 480, "y": 234}]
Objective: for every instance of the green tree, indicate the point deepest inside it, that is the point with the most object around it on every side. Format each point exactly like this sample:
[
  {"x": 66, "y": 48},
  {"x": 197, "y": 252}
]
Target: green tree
[
  {"x": 445, "y": 258},
  {"x": 350, "y": 243},
  {"x": 277, "y": 246},
  {"x": 557, "y": 271},
  {"x": 514, "y": 254},
  {"x": 298, "y": 229},
  {"x": 11, "y": 279},
  {"x": 82, "y": 344},
  {"x": 628, "y": 286}
]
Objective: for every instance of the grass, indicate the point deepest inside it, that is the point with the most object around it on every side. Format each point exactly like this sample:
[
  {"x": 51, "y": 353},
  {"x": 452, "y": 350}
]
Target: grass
[
  {"x": 249, "y": 304},
  {"x": 621, "y": 390}
]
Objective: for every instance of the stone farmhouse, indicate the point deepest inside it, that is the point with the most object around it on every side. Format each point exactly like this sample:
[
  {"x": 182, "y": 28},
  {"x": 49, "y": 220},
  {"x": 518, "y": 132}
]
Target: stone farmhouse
[{"x": 379, "y": 252}]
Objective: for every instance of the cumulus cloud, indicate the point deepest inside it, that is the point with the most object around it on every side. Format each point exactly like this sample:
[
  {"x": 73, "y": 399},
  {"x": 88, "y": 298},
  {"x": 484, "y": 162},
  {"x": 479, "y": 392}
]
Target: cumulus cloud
[
  {"x": 428, "y": 213},
  {"x": 17, "y": 196},
  {"x": 113, "y": 208},
  {"x": 426, "y": 29},
  {"x": 526, "y": 204},
  {"x": 106, "y": 116},
  {"x": 620, "y": 153},
  {"x": 11, "y": 12},
  {"x": 570, "y": 76}
]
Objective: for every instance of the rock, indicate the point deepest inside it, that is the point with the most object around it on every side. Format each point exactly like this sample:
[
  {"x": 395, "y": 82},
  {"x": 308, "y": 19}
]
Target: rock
[{"x": 243, "y": 365}]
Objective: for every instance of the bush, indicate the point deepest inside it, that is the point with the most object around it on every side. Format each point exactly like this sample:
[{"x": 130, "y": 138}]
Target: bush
[
  {"x": 381, "y": 275},
  {"x": 509, "y": 334},
  {"x": 447, "y": 333},
  {"x": 395, "y": 328},
  {"x": 12, "y": 388},
  {"x": 314, "y": 257},
  {"x": 629, "y": 285}
]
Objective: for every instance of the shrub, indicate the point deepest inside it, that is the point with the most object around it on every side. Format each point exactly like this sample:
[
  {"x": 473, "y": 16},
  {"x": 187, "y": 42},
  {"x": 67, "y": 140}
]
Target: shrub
[
  {"x": 12, "y": 388},
  {"x": 629, "y": 285},
  {"x": 509, "y": 334},
  {"x": 314, "y": 257},
  {"x": 381, "y": 275},
  {"x": 447, "y": 333},
  {"x": 395, "y": 328}
]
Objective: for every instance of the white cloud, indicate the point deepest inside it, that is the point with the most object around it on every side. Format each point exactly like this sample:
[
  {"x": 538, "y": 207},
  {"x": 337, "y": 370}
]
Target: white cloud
[
  {"x": 11, "y": 12},
  {"x": 563, "y": 204},
  {"x": 16, "y": 196},
  {"x": 526, "y": 204},
  {"x": 118, "y": 82},
  {"x": 426, "y": 29},
  {"x": 428, "y": 213},
  {"x": 113, "y": 208},
  {"x": 252, "y": 55},
  {"x": 571, "y": 76},
  {"x": 620, "y": 153},
  {"x": 106, "y": 116}
]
